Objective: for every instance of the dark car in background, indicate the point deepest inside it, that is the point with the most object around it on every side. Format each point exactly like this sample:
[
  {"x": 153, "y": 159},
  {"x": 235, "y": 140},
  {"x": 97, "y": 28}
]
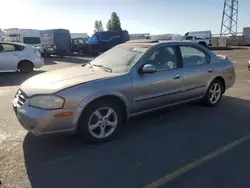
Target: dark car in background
[
  {"x": 100, "y": 42},
  {"x": 56, "y": 42}
]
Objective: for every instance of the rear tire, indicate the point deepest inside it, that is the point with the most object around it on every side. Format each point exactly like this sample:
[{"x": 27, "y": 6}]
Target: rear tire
[
  {"x": 106, "y": 127},
  {"x": 25, "y": 67},
  {"x": 213, "y": 94}
]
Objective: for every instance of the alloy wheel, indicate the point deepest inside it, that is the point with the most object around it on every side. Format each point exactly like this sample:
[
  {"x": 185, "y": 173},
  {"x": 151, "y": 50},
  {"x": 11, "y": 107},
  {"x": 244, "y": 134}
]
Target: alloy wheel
[
  {"x": 215, "y": 93},
  {"x": 103, "y": 122}
]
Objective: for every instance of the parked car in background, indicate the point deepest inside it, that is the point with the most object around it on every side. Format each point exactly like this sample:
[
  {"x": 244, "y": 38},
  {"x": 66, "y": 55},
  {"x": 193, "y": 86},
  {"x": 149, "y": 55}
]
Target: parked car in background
[
  {"x": 56, "y": 42},
  {"x": 19, "y": 57},
  {"x": 203, "y": 38},
  {"x": 102, "y": 41},
  {"x": 128, "y": 80},
  {"x": 27, "y": 36},
  {"x": 77, "y": 43}
]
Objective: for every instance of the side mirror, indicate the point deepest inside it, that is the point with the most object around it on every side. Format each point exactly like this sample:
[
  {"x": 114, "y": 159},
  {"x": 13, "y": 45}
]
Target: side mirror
[{"x": 148, "y": 68}]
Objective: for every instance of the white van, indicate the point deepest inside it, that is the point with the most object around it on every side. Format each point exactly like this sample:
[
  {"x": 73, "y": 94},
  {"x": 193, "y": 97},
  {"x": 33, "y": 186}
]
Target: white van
[
  {"x": 26, "y": 36},
  {"x": 200, "y": 37}
]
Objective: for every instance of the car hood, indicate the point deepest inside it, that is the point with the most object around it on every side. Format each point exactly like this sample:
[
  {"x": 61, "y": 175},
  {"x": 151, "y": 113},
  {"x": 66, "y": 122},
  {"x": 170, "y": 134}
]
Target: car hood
[{"x": 54, "y": 81}]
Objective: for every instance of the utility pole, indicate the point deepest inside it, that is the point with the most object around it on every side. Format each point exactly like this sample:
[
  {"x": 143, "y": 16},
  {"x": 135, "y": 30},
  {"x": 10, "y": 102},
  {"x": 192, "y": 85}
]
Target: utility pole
[{"x": 229, "y": 21}]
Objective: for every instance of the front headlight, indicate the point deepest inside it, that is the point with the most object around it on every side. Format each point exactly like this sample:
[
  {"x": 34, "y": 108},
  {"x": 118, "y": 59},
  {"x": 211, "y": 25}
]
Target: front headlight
[{"x": 47, "y": 102}]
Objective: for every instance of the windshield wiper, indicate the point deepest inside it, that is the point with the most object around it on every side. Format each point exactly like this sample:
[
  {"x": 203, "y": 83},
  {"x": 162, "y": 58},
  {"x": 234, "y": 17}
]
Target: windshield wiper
[
  {"x": 88, "y": 63},
  {"x": 105, "y": 68}
]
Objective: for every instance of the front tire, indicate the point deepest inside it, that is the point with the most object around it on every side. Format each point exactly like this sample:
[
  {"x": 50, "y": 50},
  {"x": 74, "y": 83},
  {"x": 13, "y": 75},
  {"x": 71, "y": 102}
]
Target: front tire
[
  {"x": 101, "y": 121},
  {"x": 213, "y": 94}
]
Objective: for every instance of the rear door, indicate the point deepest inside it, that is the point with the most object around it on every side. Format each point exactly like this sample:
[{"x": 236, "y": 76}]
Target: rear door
[
  {"x": 8, "y": 57},
  {"x": 196, "y": 71}
]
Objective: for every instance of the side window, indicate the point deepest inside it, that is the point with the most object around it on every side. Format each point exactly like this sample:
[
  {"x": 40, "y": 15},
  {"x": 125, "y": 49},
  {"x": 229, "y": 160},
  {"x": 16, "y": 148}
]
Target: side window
[
  {"x": 192, "y": 56},
  {"x": 81, "y": 41},
  {"x": 76, "y": 41},
  {"x": 163, "y": 59},
  {"x": 8, "y": 47}
]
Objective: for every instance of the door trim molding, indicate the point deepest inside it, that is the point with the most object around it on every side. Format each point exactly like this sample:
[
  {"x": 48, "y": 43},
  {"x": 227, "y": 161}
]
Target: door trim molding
[{"x": 158, "y": 95}]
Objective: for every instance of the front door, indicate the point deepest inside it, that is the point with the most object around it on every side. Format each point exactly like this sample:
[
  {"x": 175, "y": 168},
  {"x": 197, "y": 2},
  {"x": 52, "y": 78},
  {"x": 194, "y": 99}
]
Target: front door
[
  {"x": 161, "y": 88},
  {"x": 196, "y": 71}
]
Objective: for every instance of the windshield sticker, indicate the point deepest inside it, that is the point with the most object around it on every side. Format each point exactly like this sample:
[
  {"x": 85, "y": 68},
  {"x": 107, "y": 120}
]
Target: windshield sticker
[{"x": 136, "y": 49}]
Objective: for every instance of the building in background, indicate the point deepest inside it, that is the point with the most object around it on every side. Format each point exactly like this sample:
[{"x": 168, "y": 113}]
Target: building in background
[
  {"x": 166, "y": 37},
  {"x": 138, "y": 36},
  {"x": 79, "y": 35},
  {"x": 246, "y": 36},
  {"x": 1, "y": 34}
]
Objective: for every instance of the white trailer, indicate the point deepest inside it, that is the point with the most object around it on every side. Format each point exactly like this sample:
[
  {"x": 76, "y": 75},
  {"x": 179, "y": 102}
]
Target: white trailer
[
  {"x": 26, "y": 36},
  {"x": 246, "y": 35}
]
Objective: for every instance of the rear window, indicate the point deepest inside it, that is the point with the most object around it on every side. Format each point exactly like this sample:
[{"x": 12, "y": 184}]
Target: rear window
[{"x": 31, "y": 40}]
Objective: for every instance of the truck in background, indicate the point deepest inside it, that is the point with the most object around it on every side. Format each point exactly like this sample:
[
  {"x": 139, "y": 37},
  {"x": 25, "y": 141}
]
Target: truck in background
[
  {"x": 56, "y": 42},
  {"x": 246, "y": 36},
  {"x": 26, "y": 36},
  {"x": 200, "y": 37},
  {"x": 84, "y": 36},
  {"x": 100, "y": 42}
]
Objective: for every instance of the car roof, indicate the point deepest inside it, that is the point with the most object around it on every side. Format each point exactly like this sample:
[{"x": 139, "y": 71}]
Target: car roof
[
  {"x": 151, "y": 43},
  {"x": 14, "y": 43}
]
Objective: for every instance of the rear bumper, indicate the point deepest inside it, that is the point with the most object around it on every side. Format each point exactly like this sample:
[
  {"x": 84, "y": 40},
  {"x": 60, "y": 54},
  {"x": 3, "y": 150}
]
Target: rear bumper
[{"x": 38, "y": 62}]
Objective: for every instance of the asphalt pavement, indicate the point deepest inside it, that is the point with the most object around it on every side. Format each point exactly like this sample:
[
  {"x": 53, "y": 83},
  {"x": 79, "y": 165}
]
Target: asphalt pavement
[{"x": 151, "y": 148}]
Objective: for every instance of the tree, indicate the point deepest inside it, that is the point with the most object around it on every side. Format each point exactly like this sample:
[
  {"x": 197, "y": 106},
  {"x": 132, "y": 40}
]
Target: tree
[
  {"x": 98, "y": 26},
  {"x": 109, "y": 27},
  {"x": 114, "y": 23}
]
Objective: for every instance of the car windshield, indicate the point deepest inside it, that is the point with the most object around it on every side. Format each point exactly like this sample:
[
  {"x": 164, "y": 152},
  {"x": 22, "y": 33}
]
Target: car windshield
[{"x": 120, "y": 59}]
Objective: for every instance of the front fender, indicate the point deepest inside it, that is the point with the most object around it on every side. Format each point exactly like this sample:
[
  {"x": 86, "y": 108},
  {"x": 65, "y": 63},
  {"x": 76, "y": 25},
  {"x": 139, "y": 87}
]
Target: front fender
[{"x": 87, "y": 100}]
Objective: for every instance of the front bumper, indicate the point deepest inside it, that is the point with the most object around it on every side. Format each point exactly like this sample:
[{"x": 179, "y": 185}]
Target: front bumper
[{"x": 40, "y": 121}]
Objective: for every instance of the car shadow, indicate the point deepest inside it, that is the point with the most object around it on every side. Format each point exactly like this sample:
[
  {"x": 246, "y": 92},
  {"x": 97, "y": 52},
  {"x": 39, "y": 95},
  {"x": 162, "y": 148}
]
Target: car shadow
[
  {"x": 16, "y": 78},
  {"x": 148, "y": 148}
]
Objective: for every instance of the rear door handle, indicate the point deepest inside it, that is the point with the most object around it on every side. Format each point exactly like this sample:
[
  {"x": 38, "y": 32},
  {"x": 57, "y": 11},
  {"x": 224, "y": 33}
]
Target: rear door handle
[
  {"x": 210, "y": 70},
  {"x": 177, "y": 76}
]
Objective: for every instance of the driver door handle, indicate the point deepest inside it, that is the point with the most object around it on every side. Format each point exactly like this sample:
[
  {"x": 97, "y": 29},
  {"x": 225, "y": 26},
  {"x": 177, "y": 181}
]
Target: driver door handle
[{"x": 177, "y": 76}]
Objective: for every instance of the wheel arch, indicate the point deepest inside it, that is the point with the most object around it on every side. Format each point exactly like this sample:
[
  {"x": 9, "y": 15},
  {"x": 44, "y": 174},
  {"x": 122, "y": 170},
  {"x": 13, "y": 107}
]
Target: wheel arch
[
  {"x": 24, "y": 61},
  {"x": 107, "y": 95},
  {"x": 222, "y": 80}
]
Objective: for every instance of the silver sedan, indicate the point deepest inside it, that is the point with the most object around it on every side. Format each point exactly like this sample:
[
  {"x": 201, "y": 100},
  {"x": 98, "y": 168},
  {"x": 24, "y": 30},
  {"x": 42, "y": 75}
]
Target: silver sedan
[{"x": 130, "y": 79}]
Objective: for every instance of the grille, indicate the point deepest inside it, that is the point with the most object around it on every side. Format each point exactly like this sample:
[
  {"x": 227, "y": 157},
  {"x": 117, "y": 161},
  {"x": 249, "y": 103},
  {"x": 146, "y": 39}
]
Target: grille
[{"x": 20, "y": 97}]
